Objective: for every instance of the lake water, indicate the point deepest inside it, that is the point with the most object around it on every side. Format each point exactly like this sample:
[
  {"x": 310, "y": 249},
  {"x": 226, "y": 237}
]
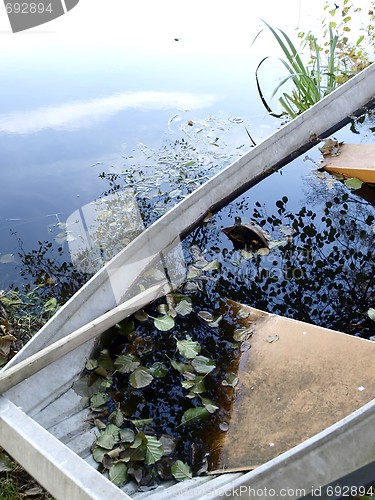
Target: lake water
[{"x": 112, "y": 87}]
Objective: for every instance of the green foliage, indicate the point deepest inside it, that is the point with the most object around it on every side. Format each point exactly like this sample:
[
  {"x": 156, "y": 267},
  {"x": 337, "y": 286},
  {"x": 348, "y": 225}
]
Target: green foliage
[{"x": 317, "y": 67}]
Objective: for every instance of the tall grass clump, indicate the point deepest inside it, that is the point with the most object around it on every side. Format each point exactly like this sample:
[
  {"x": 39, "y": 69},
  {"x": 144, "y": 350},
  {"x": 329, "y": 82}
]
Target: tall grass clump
[{"x": 316, "y": 68}]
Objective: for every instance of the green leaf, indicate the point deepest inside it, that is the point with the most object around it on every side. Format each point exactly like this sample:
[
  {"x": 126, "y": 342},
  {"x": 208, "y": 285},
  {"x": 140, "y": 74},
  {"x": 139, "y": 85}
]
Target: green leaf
[
  {"x": 98, "y": 453},
  {"x": 181, "y": 367},
  {"x": 353, "y": 183},
  {"x": 208, "y": 404},
  {"x": 214, "y": 265},
  {"x": 127, "y": 363},
  {"x": 91, "y": 364},
  {"x": 141, "y": 377},
  {"x": 50, "y": 305},
  {"x": 231, "y": 380},
  {"x": 126, "y": 435},
  {"x": 164, "y": 323},
  {"x": 188, "y": 348},
  {"x": 118, "y": 473},
  {"x": 371, "y": 313},
  {"x": 98, "y": 399},
  {"x": 141, "y": 315},
  {"x": 154, "y": 450},
  {"x": 106, "y": 441},
  {"x": 202, "y": 364},
  {"x": 181, "y": 471},
  {"x": 194, "y": 413},
  {"x": 183, "y": 308},
  {"x": 158, "y": 370},
  {"x": 243, "y": 334},
  {"x": 116, "y": 418},
  {"x": 134, "y": 454},
  {"x": 105, "y": 360}
]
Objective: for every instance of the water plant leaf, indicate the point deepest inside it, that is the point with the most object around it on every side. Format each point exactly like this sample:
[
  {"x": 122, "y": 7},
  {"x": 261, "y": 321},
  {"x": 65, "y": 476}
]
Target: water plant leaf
[
  {"x": 203, "y": 365},
  {"x": 243, "y": 334},
  {"x": 118, "y": 473},
  {"x": 154, "y": 450},
  {"x": 353, "y": 183},
  {"x": 214, "y": 265},
  {"x": 116, "y": 418},
  {"x": 105, "y": 360},
  {"x": 215, "y": 322},
  {"x": 141, "y": 377},
  {"x": 208, "y": 404},
  {"x": 231, "y": 380},
  {"x": 98, "y": 453},
  {"x": 98, "y": 399},
  {"x": 126, "y": 435},
  {"x": 181, "y": 471},
  {"x": 184, "y": 308},
  {"x": 188, "y": 348},
  {"x": 158, "y": 370},
  {"x": 371, "y": 313},
  {"x": 206, "y": 316},
  {"x": 50, "y": 305},
  {"x": 91, "y": 364},
  {"x": 106, "y": 440},
  {"x": 181, "y": 367},
  {"x": 193, "y": 413},
  {"x": 127, "y": 363},
  {"x": 164, "y": 323},
  {"x": 141, "y": 315}
]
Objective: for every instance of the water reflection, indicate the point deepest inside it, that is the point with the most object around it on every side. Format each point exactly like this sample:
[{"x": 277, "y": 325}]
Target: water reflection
[{"x": 81, "y": 114}]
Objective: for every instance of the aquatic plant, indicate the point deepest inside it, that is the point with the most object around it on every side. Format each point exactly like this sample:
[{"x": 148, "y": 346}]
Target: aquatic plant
[{"x": 316, "y": 68}]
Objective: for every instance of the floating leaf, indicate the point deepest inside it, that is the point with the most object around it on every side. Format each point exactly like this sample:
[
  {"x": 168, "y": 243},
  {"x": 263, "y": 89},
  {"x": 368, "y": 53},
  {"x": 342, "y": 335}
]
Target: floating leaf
[
  {"x": 206, "y": 316},
  {"x": 50, "y": 305},
  {"x": 263, "y": 251},
  {"x": 134, "y": 454},
  {"x": 164, "y": 323},
  {"x": 243, "y": 313},
  {"x": 116, "y": 418},
  {"x": 142, "y": 422},
  {"x": 243, "y": 334},
  {"x": 194, "y": 413},
  {"x": 126, "y": 435},
  {"x": 224, "y": 426},
  {"x": 208, "y": 404},
  {"x": 353, "y": 183},
  {"x": 188, "y": 348},
  {"x": 158, "y": 370},
  {"x": 214, "y": 265},
  {"x": 98, "y": 453},
  {"x": 247, "y": 255},
  {"x": 91, "y": 364},
  {"x": 127, "y": 363},
  {"x": 106, "y": 440},
  {"x": 231, "y": 380},
  {"x": 169, "y": 444},
  {"x": 154, "y": 450},
  {"x": 141, "y": 377},
  {"x": 215, "y": 322},
  {"x": 287, "y": 230},
  {"x": 203, "y": 364},
  {"x": 105, "y": 360},
  {"x": 272, "y": 338},
  {"x": 184, "y": 308},
  {"x": 181, "y": 471},
  {"x": 141, "y": 315},
  {"x": 193, "y": 272},
  {"x": 371, "y": 313},
  {"x": 162, "y": 308},
  {"x": 181, "y": 367},
  {"x": 118, "y": 473},
  {"x": 98, "y": 399}
]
